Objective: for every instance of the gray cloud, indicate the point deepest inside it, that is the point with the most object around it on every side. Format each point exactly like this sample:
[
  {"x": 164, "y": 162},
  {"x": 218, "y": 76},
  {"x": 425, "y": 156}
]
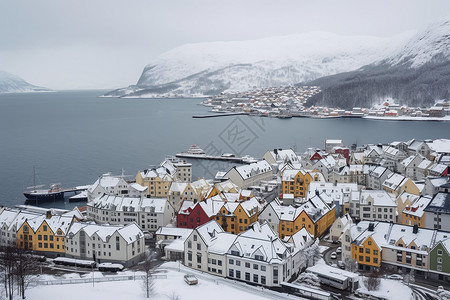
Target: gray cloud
[{"x": 106, "y": 43}]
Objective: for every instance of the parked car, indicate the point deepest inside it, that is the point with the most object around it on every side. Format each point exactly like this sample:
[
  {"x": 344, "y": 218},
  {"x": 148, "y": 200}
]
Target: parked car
[
  {"x": 339, "y": 250},
  {"x": 190, "y": 279},
  {"x": 333, "y": 255},
  {"x": 395, "y": 277},
  {"x": 341, "y": 264}
]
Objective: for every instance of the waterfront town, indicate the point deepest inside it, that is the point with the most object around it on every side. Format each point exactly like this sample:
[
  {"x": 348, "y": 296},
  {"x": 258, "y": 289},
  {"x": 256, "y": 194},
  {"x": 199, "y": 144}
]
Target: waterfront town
[
  {"x": 290, "y": 101},
  {"x": 349, "y": 211}
]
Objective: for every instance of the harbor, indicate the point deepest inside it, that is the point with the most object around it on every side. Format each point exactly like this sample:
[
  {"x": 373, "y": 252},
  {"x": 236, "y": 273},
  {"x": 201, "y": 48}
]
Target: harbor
[{"x": 195, "y": 152}]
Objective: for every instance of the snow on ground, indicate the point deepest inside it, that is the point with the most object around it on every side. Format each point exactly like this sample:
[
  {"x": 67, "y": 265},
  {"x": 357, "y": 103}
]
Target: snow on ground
[
  {"x": 322, "y": 249},
  {"x": 389, "y": 289},
  {"x": 208, "y": 285}
]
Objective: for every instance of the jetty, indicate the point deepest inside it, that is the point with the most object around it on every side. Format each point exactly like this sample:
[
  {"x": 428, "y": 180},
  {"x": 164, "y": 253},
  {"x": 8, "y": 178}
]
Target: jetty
[{"x": 219, "y": 115}]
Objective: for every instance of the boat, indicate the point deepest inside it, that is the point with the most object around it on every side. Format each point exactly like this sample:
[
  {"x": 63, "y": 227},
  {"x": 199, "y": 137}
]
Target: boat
[
  {"x": 194, "y": 150},
  {"x": 33, "y": 192},
  {"x": 54, "y": 193}
]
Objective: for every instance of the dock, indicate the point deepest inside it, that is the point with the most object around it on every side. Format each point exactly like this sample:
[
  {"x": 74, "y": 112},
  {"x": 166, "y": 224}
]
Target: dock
[
  {"x": 219, "y": 115},
  {"x": 239, "y": 160}
]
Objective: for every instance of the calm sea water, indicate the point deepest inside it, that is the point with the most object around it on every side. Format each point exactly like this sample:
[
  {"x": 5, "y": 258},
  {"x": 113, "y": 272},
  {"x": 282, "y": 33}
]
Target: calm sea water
[{"x": 72, "y": 137}]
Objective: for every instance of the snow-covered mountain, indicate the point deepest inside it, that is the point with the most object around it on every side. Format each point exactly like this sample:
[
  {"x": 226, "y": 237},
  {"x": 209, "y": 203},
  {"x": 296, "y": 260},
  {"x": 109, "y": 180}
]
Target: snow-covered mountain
[
  {"x": 417, "y": 73},
  {"x": 210, "y": 68},
  {"x": 10, "y": 83}
]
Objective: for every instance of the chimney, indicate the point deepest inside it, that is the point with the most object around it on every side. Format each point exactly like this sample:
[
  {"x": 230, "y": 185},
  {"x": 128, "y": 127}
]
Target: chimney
[
  {"x": 49, "y": 214},
  {"x": 371, "y": 227},
  {"x": 317, "y": 192},
  {"x": 415, "y": 229}
]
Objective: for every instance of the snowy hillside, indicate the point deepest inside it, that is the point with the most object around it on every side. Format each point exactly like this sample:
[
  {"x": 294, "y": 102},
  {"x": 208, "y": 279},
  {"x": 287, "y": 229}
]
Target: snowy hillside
[
  {"x": 417, "y": 74},
  {"x": 210, "y": 68},
  {"x": 430, "y": 45},
  {"x": 13, "y": 84}
]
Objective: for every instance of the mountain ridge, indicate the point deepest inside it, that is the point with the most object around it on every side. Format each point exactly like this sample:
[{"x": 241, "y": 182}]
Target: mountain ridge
[
  {"x": 10, "y": 83},
  {"x": 205, "y": 69}
]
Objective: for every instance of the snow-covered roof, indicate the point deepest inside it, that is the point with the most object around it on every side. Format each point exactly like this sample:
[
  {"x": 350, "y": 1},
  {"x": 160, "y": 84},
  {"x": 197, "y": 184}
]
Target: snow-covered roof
[
  {"x": 301, "y": 238},
  {"x": 379, "y": 197},
  {"x": 417, "y": 207},
  {"x": 260, "y": 240},
  {"x": 129, "y": 204},
  {"x": 440, "y": 146},
  {"x": 394, "y": 181},
  {"x": 247, "y": 171},
  {"x": 284, "y": 156},
  {"x": 440, "y": 202}
]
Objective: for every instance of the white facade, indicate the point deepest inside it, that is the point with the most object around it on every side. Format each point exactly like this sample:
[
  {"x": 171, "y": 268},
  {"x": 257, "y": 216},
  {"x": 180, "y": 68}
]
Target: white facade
[
  {"x": 114, "y": 185},
  {"x": 105, "y": 243},
  {"x": 148, "y": 213},
  {"x": 250, "y": 175}
]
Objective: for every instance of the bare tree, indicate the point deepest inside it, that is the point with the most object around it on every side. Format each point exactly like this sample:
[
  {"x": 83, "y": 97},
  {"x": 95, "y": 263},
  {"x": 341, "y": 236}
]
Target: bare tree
[
  {"x": 350, "y": 264},
  {"x": 312, "y": 254},
  {"x": 174, "y": 296},
  {"x": 147, "y": 265},
  {"x": 373, "y": 281},
  {"x": 26, "y": 267},
  {"x": 7, "y": 263},
  {"x": 409, "y": 278}
]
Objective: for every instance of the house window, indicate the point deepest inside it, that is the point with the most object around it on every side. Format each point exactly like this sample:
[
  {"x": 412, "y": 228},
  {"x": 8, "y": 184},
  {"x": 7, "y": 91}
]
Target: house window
[
  {"x": 263, "y": 279},
  {"x": 238, "y": 274},
  {"x": 231, "y": 261},
  {"x": 255, "y": 278},
  {"x": 247, "y": 265},
  {"x": 439, "y": 252},
  {"x": 231, "y": 272},
  {"x": 199, "y": 246},
  {"x": 247, "y": 276},
  {"x": 255, "y": 266},
  {"x": 263, "y": 268}
]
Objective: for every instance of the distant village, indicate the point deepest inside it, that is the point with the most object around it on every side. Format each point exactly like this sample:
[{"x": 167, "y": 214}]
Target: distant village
[
  {"x": 386, "y": 205},
  {"x": 289, "y": 101}
]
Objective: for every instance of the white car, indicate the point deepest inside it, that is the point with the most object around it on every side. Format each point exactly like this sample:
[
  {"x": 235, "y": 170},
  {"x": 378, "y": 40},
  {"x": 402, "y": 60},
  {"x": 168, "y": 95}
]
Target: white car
[
  {"x": 339, "y": 250},
  {"x": 341, "y": 264},
  {"x": 395, "y": 277},
  {"x": 333, "y": 255}
]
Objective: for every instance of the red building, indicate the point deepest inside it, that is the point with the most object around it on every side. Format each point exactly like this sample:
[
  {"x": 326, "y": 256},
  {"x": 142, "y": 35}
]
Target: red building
[
  {"x": 344, "y": 151},
  {"x": 195, "y": 215},
  {"x": 316, "y": 156}
]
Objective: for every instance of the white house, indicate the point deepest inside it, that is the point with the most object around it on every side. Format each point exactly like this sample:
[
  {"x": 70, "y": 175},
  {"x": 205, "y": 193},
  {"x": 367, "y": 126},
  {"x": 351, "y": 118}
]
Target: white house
[
  {"x": 105, "y": 243},
  {"x": 250, "y": 175},
  {"x": 338, "y": 227},
  {"x": 376, "y": 177},
  {"x": 148, "y": 213},
  {"x": 114, "y": 185}
]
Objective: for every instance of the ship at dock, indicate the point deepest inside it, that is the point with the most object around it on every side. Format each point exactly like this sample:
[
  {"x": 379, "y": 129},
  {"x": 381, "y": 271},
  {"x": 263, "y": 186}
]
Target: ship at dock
[{"x": 54, "y": 193}]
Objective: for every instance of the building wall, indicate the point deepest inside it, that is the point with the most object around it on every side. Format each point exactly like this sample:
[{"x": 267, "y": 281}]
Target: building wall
[
  {"x": 439, "y": 259},
  {"x": 368, "y": 253}
]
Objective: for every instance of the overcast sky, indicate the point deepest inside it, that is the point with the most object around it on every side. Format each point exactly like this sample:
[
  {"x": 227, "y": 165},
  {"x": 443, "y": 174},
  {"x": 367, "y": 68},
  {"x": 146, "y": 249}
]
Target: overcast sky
[{"x": 106, "y": 43}]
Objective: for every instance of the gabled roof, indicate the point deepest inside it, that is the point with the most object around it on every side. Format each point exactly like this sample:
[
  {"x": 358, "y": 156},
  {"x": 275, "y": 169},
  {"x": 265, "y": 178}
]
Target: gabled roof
[
  {"x": 440, "y": 202},
  {"x": 247, "y": 171}
]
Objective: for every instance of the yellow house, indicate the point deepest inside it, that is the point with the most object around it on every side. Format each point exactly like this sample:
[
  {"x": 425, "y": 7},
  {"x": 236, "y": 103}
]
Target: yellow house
[
  {"x": 44, "y": 234},
  {"x": 414, "y": 214},
  {"x": 236, "y": 217},
  {"x": 157, "y": 183},
  {"x": 397, "y": 184},
  {"x": 314, "y": 215},
  {"x": 222, "y": 187},
  {"x": 367, "y": 252},
  {"x": 296, "y": 182}
]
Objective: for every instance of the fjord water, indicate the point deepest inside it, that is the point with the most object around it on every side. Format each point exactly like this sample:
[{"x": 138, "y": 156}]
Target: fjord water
[{"x": 72, "y": 137}]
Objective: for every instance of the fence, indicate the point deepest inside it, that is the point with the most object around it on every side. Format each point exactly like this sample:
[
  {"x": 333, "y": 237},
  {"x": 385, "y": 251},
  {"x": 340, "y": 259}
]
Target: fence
[{"x": 90, "y": 280}]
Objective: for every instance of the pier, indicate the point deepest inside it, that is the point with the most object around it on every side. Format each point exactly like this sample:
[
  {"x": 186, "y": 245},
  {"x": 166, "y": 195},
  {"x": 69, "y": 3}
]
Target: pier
[
  {"x": 219, "y": 115},
  {"x": 239, "y": 160}
]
